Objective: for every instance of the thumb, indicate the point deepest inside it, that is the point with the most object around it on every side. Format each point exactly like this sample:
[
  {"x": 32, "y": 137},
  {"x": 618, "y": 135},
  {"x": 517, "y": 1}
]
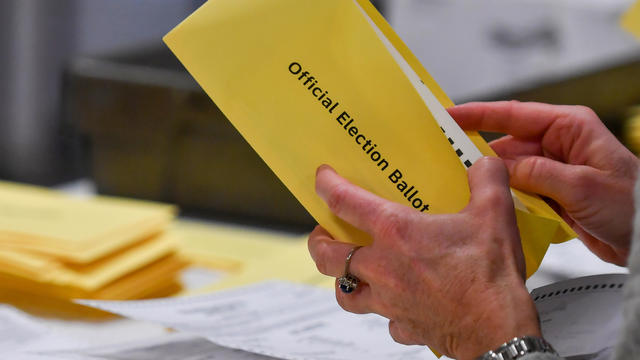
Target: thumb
[
  {"x": 561, "y": 182},
  {"x": 489, "y": 186},
  {"x": 491, "y": 200}
]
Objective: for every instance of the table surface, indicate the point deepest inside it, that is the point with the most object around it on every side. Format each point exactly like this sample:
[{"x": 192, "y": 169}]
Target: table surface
[{"x": 563, "y": 261}]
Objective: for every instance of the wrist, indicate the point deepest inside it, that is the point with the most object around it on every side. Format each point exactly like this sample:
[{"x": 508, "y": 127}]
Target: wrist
[
  {"x": 493, "y": 343},
  {"x": 511, "y": 319},
  {"x": 519, "y": 347}
]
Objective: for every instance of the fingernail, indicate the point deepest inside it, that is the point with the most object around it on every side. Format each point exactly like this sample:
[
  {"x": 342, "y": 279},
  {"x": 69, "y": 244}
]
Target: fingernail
[
  {"x": 324, "y": 167},
  {"x": 320, "y": 168},
  {"x": 320, "y": 190}
]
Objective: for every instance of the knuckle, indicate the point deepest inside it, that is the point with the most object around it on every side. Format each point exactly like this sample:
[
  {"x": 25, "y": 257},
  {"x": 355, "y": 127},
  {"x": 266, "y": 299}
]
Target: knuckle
[
  {"x": 398, "y": 334},
  {"x": 512, "y": 107},
  {"x": 495, "y": 195},
  {"x": 490, "y": 200},
  {"x": 321, "y": 255},
  {"x": 317, "y": 231},
  {"x": 337, "y": 197},
  {"x": 321, "y": 265},
  {"x": 585, "y": 112},
  {"x": 394, "y": 331},
  {"x": 391, "y": 222},
  {"x": 581, "y": 183},
  {"x": 578, "y": 119},
  {"x": 531, "y": 168},
  {"x": 512, "y": 104}
]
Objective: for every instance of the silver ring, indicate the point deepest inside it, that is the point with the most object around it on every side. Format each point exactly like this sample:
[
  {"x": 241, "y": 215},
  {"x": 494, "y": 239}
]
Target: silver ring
[{"x": 348, "y": 283}]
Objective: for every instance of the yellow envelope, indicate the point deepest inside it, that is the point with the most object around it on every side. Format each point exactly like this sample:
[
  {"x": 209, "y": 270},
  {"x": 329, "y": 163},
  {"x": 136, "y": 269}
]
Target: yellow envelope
[
  {"x": 291, "y": 263},
  {"x": 227, "y": 247},
  {"x": 155, "y": 278},
  {"x": 89, "y": 277},
  {"x": 329, "y": 82},
  {"x": 631, "y": 20},
  {"x": 73, "y": 229}
]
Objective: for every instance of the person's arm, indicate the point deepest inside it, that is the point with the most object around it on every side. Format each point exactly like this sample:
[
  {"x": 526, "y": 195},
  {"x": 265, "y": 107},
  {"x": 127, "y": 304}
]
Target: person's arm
[{"x": 566, "y": 154}]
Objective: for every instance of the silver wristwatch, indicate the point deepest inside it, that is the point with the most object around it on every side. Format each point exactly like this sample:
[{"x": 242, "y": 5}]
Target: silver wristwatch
[{"x": 519, "y": 347}]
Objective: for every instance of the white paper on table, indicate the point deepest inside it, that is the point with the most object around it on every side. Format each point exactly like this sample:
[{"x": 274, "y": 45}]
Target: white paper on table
[
  {"x": 24, "y": 337},
  {"x": 168, "y": 347},
  {"x": 20, "y": 332},
  {"x": 582, "y": 317},
  {"x": 278, "y": 319},
  {"x": 17, "y": 329}
]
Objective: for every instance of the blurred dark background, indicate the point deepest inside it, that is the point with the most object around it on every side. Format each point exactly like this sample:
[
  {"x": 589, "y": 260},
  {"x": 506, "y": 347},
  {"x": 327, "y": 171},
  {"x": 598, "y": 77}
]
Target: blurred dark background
[{"x": 88, "y": 90}]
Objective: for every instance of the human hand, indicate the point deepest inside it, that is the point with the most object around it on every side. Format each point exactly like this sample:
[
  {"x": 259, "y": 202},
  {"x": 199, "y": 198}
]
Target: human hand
[
  {"x": 454, "y": 282},
  {"x": 565, "y": 153}
]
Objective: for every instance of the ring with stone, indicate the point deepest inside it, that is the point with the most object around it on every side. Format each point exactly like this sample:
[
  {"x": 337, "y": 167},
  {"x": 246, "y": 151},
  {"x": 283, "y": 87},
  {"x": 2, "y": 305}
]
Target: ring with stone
[{"x": 348, "y": 283}]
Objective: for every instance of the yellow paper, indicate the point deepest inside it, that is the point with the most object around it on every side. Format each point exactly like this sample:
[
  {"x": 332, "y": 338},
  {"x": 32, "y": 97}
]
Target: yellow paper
[
  {"x": 151, "y": 279},
  {"x": 227, "y": 247},
  {"x": 72, "y": 229},
  {"x": 250, "y": 57},
  {"x": 292, "y": 263},
  {"x": 89, "y": 277},
  {"x": 97, "y": 274},
  {"x": 631, "y": 20}
]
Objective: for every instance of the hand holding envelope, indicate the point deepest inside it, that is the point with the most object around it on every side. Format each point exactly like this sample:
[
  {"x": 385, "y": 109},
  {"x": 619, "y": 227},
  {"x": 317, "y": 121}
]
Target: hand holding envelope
[
  {"x": 435, "y": 277},
  {"x": 438, "y": 280},
  {"x": 241, "y": 52}
]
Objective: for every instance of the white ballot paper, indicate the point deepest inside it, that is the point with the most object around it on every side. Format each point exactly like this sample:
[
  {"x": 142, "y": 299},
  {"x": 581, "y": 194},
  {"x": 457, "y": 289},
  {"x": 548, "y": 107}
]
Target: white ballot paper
[
  {"x": 168, "y": 347},
  {"x": 23, "y": 337},
  {"x": 278, "y": 319},
  {"x": 19, "y": 332},
  {"x": 582, "y": 317}
]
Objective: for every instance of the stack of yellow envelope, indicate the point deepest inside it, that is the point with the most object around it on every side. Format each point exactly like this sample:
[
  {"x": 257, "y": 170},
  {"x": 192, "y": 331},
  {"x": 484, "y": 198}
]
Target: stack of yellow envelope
[
  {"x": 246, "y": 255},
  {"x": 56, "y": 246}
]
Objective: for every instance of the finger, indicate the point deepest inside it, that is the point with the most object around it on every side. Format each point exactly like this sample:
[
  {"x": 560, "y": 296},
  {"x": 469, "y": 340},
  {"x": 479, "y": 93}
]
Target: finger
[
  {"x": 489, "y": 186},
  {"x": 357, "y": 206},
  {"x": 360, "y": 301},
  {"x": 509, "y": 147},
  {"x": 491, "y": 196},
  {"x": 524, "y": 120},
  {"x": 330, "y": 255},
  {"x": 569, "y": 185},
  {"x": 603, "y": 250},
  {"x": 402, "y": 334}
]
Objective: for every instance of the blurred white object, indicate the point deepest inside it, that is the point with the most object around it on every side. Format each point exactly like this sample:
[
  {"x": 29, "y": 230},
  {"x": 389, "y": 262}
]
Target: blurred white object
[
  {"x": 475, "y": 48},
  {"x": 570, "y": 260}
]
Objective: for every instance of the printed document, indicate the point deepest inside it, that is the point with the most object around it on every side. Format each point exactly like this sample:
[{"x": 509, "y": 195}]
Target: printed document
[
  {"x": 277, "y": 319},
  {"x": 582, "y": 317}
]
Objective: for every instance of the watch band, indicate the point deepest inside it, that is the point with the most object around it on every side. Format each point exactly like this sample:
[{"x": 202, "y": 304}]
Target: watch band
[{"x": 519, "y": 347}]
